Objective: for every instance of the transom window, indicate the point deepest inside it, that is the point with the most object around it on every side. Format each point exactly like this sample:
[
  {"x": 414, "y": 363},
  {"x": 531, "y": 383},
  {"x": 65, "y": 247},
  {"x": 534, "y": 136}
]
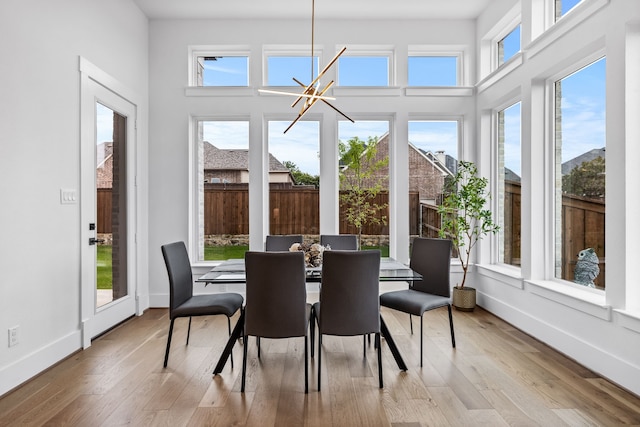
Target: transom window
[
  {"x": 282, "y": 69},
  {"x": 435, "y": 70},
  {"x": 509, "y": 45},
  {"x": 564, "y": 6},
  {"x": 363, "y": 71}
]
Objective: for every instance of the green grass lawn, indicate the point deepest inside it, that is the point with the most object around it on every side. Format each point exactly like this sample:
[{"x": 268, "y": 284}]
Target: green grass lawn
[
  {"x": 220, "y": 253},
  {"x": 104, "y": 276}
]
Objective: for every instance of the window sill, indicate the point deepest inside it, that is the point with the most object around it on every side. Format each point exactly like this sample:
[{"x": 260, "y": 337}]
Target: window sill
[
  {"x": 367, "y": 91},
  {"x": 584, "y": 300},
  {"x": 580, "y": 13},
  {"x": 218, "y": 91},
  {"x": 500, "y": 72},
  {"x": 503, "y": 273},
  {"x": 439, "y": 91}
]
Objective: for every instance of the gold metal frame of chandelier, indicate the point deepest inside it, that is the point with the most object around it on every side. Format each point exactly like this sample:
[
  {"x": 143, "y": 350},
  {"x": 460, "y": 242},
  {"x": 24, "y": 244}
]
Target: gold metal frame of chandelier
[{"x": 311, "y": 93}]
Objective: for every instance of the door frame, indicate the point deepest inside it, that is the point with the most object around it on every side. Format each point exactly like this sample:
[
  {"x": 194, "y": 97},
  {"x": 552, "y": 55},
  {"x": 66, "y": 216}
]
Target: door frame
[{"x": 127, "y": 306}]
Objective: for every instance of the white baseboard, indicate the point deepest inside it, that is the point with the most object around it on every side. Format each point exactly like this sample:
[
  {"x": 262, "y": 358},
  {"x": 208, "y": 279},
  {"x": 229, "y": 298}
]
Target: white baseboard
[{"x": 27, "y": 367}]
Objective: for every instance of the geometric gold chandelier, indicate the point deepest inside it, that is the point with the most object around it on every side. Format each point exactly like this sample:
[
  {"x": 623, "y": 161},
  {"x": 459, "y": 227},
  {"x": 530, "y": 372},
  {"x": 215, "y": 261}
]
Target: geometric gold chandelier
[{"x": 311, "y": 93}]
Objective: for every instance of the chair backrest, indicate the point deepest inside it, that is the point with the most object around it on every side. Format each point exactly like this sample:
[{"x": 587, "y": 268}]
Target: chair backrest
[
  {"x": 281, "y": 242},
  {"x": 176, "y": 259},
  {"x": 432, "y": 259},
  {"x": 349, "y": 293},
  {"x": 340, "y": 242},
  {"x": 276, "y": 299}
]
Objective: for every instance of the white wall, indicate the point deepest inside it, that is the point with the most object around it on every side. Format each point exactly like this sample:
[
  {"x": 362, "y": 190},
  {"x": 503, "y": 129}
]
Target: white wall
[
  {"x": 40, "y": 43},
  {"x": 599, "y": 331},
  {"x": 170, "y": 110}
]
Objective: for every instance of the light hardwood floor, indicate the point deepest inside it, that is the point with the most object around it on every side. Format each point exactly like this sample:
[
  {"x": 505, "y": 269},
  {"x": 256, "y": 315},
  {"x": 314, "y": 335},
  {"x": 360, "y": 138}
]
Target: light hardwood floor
[{"x": 496, "y": 376}]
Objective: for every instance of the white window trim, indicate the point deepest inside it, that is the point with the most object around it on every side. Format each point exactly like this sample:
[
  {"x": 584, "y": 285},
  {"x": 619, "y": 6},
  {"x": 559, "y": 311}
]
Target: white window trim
[
  {"x": 383, "y": 51},
  {"x": 197, "y": 51},
  {"x": 289, "y": 50},
  {"x": 550, "y": 145},
  {"x": 195, "y": 182},
  {"x": 461, "y": 52}
]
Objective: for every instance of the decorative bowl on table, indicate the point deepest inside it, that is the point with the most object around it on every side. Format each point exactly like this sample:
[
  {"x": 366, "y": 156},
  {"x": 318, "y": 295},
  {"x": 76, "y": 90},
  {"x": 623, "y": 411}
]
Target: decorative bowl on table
[{"x": 312, "y": 253}]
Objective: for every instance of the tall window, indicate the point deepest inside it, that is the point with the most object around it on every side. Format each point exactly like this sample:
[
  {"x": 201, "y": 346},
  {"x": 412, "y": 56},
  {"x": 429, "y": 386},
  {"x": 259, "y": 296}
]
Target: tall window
[
  {"x": 509, "y": 45},
  {"x": 222, "y": 156},
  {"x": 509, "y": 184},
  {"x": 580, "y": 145},
  {"x": 433, "y": 70},
  {"x": 350, "y": 71},
  {"x": 364, "y": 182},
  {"x": 222, "y": 71},
  {"x": 294, "y": 169},
  {"x": 433, "y": 154}
]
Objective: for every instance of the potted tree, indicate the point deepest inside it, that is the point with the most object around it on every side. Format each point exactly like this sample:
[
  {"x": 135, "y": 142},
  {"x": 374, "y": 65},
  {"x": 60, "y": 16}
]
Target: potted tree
[{"x": 465, "y": 220}]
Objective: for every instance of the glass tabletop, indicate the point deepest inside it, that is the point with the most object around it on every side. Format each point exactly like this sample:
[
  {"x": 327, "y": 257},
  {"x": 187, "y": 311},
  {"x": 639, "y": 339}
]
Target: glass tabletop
[{"x": 233, "y": 271}]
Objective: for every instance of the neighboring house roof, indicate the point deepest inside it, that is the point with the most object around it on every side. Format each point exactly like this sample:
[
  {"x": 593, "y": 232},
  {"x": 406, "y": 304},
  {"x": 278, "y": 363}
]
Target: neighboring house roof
[
  {"x": 234, "y": 159},
  {"x": 510, "y": 175},
  {"x": 443, "y": 162},
  {"x": 569, "y": 165}
]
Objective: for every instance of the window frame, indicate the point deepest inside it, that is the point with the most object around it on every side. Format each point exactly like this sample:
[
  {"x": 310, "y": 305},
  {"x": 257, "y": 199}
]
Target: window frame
[
  {"x": 459, "y": 51},
  {"x": 551, "y": 197},
  {"x": 370, "y": 52},
  {"x": 288, "y": 51},
  {"x": 199, "y": 51}
]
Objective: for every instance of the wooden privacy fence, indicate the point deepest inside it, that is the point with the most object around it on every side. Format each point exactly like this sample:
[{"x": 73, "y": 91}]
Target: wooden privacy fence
[{"x": 293, "y": 210}]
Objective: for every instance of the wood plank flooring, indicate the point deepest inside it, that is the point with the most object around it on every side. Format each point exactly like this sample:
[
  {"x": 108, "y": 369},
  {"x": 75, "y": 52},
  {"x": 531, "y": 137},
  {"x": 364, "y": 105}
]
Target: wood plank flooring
[{"x": 497, "y": 376}]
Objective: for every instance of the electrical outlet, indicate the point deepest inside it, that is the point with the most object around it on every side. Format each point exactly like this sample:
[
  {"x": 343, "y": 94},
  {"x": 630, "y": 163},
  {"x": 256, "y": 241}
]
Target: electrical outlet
[{"x": 14, "y": 336}]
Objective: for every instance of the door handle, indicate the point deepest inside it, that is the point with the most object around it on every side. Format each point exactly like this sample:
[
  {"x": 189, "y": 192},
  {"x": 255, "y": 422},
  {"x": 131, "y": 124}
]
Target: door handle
[{"x": 93, "y": 240}]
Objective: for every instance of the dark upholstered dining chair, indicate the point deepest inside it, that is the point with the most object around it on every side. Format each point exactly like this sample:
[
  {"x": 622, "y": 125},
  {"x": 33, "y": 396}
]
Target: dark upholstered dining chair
[
  {"x": 432, "y": 259},
  {"x": 182, "y": 301},
  {"x": 340, "y": 242},
  {"x": 349, "y": 298},
  {"x": 276, "y": 301},
  {"x": 281, "y": 242}
]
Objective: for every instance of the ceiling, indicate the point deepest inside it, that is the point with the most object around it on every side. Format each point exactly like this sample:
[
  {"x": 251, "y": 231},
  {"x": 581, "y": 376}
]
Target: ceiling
[{"x": 324, "y": 9}]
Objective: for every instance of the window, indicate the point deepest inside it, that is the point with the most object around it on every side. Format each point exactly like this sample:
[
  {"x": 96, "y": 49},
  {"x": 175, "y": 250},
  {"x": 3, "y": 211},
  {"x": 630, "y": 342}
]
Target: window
[
  {"x": 282, "y": 69},
  {"x": 222, "y": 203},
  {"x": 433, "y": 154},
  {"x": 363, "y": 71},
  {"x": 564, "y": 6},
  {"x": 509, "y": 184},
  {"x": 580, "y": 145},
  {"x": 433, "y": 71},
  {"x": 509, "y": 46},
  {"x": 294, "y": 168},
  {"x": 364, "y": 182},
  {"x": 222, "y": 71}
]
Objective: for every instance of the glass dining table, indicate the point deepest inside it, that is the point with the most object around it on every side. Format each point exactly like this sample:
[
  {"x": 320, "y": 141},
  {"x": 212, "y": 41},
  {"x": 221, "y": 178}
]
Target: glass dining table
[{"x": 233, "y": 271}]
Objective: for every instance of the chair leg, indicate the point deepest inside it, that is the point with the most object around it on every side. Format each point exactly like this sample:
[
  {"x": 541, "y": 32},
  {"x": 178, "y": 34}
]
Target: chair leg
[
  {"x": 411, "y": 324},
  {"x": 166, "y": 354},
  {"x": 258, "y": 342},
  {"x": 364, "y": 346},
  {"x": 379, "y": 358},
  {"x": 244, "y": 364},
  {"x": 319, "y": 359},
  {"x": 306, "y": 364},
  {"x": 189, "y": 330},
  {"x": 313, "y": 331},
  {"x": 421, "y": 340},
  {"x": 229, "y": 326},
  {"x": 453, "y": 337}
]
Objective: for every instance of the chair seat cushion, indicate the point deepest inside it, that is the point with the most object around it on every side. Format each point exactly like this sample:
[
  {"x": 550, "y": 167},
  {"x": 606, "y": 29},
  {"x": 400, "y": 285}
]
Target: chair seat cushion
[
  {"x": 210, "y": 304},
  {"x": 412, "y": 301}
]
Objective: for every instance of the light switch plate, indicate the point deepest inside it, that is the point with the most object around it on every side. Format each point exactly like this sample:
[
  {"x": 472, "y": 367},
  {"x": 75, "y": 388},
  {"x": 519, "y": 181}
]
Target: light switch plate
[{"x": 68, "y": 196}]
